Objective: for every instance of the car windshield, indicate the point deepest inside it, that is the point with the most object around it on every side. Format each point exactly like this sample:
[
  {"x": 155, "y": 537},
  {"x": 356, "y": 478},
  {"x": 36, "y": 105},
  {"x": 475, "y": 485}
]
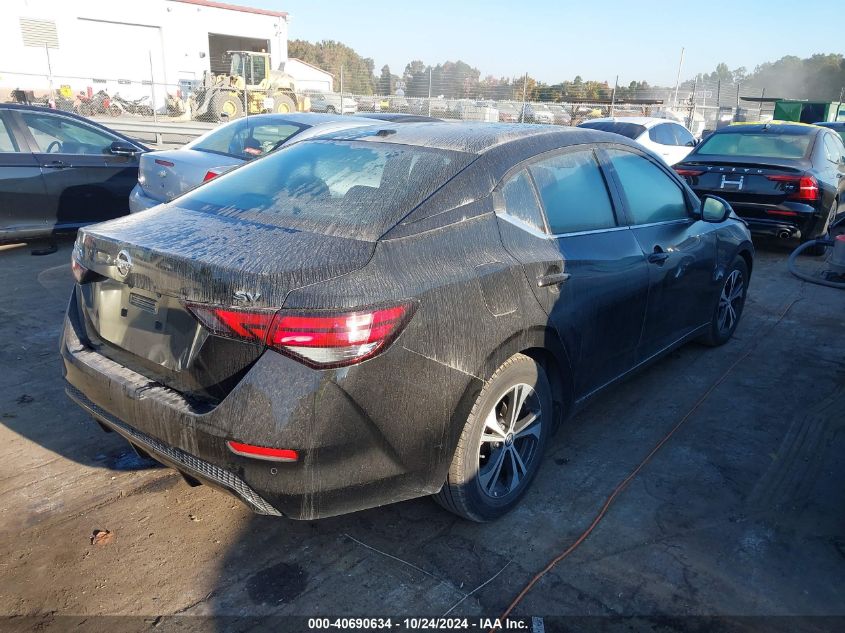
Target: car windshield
[
  {"x": 247, "y": 138},
  {"x": 348, "y": 189},
  {"x": 758, "y": 145},
  {"x": 631, "y": 130}
]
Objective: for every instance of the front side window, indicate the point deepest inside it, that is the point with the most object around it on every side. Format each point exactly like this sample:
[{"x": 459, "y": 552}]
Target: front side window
[
  {"x": 651, "y": 194},
  {"x": 520, "y": 201},
  {"x": 245, "y": 138},
  {"x": 58, "y": 135},
  {"x": 574, "y": 193}
]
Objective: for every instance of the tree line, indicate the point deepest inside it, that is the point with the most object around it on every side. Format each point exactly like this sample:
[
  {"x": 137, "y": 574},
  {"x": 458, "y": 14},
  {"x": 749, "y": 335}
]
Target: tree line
[{"x": 819, "y": 77}]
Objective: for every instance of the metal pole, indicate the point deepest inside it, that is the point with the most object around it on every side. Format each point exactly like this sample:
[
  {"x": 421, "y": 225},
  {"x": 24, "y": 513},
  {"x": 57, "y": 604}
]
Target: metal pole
[
  {"x": 524, "y": 91},
  {"x": 429, "y": 90},
  {"x": 152, "y": 86},
  {"x": 613, "y": 95},
  {"x": 51, "y": 99},
  {"x": 678, "y": 80}
]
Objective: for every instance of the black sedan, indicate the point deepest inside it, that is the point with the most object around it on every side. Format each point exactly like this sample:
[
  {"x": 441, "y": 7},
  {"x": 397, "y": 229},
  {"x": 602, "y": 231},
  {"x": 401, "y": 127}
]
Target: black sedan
[
  {"x": 60, "y": 171},
  {"x": 386, "y": 313},
  {"x": 784, "y": 179}
]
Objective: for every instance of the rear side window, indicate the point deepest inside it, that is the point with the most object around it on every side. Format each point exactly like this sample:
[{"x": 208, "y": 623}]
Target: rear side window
[
  {"x": 574, "y": 193},
  {"x": 630, "y": 130},
  {"x": 520, "y": 201},
  {"x": 349, "y": 189},
  {"x": 6, "y": 143},
  {"x": 763, "y": 145},
  {"x": 663, "y": 134},
  {"x": 246, "y": 138},
  {"x": 651, "y": 194}
]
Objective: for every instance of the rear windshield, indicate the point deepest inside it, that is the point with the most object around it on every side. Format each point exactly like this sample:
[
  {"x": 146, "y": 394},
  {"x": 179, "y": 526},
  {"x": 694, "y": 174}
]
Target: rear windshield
[
  {"x": 764, "y": 145},
  {"x": 246, "y": 138},
  {"x": 631, "y": 130},
  {"x": 349, "y": 189}
]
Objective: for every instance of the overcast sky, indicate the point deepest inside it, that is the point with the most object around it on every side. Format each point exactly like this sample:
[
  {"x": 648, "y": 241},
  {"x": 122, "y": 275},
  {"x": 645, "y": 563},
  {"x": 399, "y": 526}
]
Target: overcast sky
[{"x": 554, "y": 41}]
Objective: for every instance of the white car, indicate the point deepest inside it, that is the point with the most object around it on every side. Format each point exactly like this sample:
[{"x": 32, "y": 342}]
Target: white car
[{"x": 668, "y": 139}]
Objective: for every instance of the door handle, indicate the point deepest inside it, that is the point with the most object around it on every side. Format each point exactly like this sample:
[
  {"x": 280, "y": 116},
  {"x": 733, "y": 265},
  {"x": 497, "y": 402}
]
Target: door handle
[
  {"x": 552, "y": 279},
  {"x": 658, "y": 257},
  {"x": 56, "y": 164}
]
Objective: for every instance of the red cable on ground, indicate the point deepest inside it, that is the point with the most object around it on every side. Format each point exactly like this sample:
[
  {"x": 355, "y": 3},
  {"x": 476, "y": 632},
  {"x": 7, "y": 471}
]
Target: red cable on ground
[{"x": 624, "y": 483}]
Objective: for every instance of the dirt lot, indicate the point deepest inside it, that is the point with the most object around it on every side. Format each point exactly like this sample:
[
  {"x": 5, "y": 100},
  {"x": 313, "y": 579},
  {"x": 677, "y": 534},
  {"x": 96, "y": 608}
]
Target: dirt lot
[{"x": 741, "y": 513}]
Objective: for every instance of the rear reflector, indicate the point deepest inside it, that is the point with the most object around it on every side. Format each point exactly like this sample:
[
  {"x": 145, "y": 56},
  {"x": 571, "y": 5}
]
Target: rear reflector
[
  {"x": 263, "y": 452},
  {"x": 210, "y": 174},
  {"x": 163, "y": 163},
  {"x": 805, "y": 188},
  {"x": 319, "y": 339}
]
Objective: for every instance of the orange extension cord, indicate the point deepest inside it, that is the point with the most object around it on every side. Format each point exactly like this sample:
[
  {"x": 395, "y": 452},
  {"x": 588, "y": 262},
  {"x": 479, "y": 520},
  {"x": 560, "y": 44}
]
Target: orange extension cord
[{"x": 624, "y": 483}]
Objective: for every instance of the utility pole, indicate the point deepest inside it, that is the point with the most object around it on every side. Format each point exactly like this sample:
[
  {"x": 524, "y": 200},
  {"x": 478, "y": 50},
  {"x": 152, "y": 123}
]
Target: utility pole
[
  {"x": 429, "y": 90},
  {"x": 524, "y": 91},
  {"x": 153, "y": 86},
  {"x": 678, "y": 79},
  {"x": 613, "y": 95}
]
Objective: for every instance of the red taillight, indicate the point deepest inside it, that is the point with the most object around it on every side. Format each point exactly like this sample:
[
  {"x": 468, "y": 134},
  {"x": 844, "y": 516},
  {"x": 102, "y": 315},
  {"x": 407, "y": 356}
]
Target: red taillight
[
  {"x": 210, "y": 174},
  {"x": 805, "y": 188},
  {"x": 688, "y": 172},
  {"x": 263, "y": 452},
  {"x": 163, "y": 163},
  {"x": 318, "y": 339}
]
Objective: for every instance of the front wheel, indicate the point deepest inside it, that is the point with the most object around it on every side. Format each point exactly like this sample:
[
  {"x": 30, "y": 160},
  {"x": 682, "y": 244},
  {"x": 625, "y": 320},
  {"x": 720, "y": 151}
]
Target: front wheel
[
  {"x": 729, "y": 305},
  {"x": 502, "y": 444}
]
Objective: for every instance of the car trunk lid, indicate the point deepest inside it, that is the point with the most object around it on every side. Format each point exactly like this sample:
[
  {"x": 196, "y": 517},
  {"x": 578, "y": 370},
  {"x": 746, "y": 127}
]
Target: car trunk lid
[{"x": 148, "y": 271}]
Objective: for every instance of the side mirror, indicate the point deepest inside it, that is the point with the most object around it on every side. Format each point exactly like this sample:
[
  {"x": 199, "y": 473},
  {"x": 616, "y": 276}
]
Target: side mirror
[
  {"x": 122, "y": 148},
  {"x": 714, "y": 209}
]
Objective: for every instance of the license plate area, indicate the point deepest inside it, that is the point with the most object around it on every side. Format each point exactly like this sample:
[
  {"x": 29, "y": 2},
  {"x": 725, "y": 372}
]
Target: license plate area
[{"x": 152, "y": 326}]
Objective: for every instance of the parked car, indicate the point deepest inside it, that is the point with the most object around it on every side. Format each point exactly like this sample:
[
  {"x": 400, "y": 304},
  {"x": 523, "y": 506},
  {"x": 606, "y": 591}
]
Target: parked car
[
  {"x": 60, "y": 171},
  {"x": 784, "y": 179},
  {"x": 333, "y": 103},
  {"x": 668, "y": 139},
  {"x": 166, "y": 174},
  {"x": 305, "y": 331},
  {"x": 369, "y": 104},
  {"x": 398, "y": 117},
  {"x": 837, "y": 126}
]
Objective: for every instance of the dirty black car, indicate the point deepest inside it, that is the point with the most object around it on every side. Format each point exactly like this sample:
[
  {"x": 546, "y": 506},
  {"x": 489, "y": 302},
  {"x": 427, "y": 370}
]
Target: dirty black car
[
  {"x": 389, "y": 313},
  {"x": 786, "y": 180}
]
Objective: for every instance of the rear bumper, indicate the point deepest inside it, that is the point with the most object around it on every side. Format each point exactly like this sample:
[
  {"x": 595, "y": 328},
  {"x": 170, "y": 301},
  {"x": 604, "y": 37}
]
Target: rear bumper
[
  {"x": 140, "y": 201},
  {"x": 358, "y": 446}
]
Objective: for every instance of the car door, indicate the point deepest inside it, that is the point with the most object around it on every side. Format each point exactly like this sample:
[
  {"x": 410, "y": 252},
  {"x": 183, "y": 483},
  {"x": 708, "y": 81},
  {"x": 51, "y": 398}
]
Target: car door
[
  {"x": 85, "y": 181},
  {"x": 22, "y": 193},
  {"x": 679, "y": 248},
  {"x": 586, "y": 268}
]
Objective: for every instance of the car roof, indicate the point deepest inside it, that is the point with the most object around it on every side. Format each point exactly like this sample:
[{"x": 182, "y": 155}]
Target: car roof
[
  {"x": 786, "y": 127},
  {"x": 71, "y": 115},
  {"x": 645, "y": 121},
  {"x": 471, "y": 138}
]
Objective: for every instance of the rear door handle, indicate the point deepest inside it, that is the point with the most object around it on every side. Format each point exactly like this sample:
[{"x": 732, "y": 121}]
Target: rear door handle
[
  {"x": 57, "y": 164},
  {"x": 552, "y": 279},
  {"x": 658, "y": 257}
]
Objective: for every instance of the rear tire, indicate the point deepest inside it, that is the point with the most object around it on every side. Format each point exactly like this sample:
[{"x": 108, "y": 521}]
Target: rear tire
[
  {"x": 499, "y": 452},
  {"x": 729, "y": 304}
]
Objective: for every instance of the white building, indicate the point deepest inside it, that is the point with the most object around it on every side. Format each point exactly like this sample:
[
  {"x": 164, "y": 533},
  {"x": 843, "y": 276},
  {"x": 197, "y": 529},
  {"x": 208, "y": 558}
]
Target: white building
[{"x": 126, "y": 45}]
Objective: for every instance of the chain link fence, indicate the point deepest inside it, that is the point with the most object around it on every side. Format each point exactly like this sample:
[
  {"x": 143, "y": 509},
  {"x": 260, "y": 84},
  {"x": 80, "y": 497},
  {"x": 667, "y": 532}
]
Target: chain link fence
[{"x": 700, "y": 105}]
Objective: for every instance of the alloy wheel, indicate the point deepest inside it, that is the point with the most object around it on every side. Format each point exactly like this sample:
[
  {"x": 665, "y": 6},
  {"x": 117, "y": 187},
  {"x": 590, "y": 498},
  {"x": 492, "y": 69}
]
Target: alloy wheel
[
  {"x": 730, "y": 301},
  {"x": 509, "y": 442}
]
